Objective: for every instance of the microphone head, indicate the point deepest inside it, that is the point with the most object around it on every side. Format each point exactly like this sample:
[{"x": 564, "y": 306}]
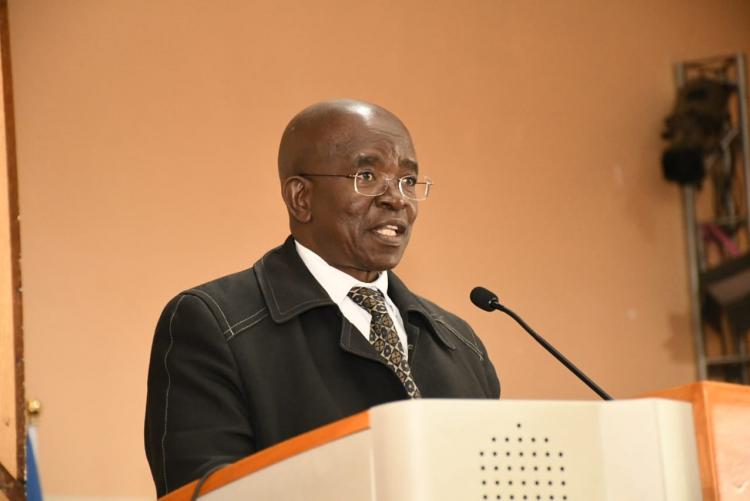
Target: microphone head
[{"x": 484, "y": 299}]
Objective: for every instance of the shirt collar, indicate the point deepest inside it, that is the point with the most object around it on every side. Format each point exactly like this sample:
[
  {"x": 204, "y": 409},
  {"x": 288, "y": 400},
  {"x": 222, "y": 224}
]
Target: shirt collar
[
  {"x": 335, "y": 282},
  {"x": 288, "y": 291}
]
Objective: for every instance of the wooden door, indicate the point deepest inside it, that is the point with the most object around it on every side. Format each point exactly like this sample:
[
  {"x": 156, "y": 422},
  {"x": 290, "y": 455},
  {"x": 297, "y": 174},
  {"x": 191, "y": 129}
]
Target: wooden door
[{"x": 12, "y": 407}]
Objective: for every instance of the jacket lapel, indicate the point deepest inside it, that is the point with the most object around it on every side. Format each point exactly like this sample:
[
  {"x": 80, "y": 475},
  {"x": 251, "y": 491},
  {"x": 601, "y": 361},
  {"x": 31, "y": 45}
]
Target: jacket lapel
[
  {"x": 289, "y": 289},
  {"x": 409, "y": 303},
  {"x": 354, "y": 342}
]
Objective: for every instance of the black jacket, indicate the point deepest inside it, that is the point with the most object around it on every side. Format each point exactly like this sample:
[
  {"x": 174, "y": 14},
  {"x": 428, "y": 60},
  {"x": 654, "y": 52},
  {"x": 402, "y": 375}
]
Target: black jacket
[{"x": 251, "y": 359}]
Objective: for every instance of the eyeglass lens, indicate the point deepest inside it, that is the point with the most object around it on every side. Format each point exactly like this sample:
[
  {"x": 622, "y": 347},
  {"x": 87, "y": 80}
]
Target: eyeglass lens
[{"x": 371, "y": 184}]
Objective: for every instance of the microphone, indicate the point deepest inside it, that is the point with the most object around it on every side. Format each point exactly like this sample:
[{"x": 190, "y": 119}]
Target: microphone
[
  {"x": 487, "y": 300},
  {"x": 482, "y": 298}
]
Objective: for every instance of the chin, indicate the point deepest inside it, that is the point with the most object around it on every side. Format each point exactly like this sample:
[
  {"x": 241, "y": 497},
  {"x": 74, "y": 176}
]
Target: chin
[{"x": 386, "y": 262}]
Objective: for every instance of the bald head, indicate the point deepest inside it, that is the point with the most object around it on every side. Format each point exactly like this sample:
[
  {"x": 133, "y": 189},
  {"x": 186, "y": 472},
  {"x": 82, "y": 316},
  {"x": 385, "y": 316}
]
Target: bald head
[
  {"x": 324, "y": 149},
  {"x": 321, "y": 131}
]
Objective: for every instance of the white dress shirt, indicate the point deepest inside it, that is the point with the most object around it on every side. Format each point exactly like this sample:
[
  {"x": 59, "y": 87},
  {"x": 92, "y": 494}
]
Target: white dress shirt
[{"x": 338, "y": 284}]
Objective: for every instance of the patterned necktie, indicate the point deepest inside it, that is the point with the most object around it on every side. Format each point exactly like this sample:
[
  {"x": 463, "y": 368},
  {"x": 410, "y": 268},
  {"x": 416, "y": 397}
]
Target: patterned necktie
[{"x": 383, "y": 336}]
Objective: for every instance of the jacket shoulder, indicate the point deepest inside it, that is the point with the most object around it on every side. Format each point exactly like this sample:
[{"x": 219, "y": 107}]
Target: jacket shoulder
[{"x": 235, "y": 301}]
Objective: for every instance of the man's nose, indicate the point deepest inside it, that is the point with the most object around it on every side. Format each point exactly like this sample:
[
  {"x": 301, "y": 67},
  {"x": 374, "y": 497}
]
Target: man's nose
[{"x": 392, "y": 197}]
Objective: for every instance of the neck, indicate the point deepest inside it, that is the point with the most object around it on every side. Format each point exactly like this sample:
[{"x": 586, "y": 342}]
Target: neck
[
  {"x": 366, "y": 276},
  {"x": 361, "y": 275}
]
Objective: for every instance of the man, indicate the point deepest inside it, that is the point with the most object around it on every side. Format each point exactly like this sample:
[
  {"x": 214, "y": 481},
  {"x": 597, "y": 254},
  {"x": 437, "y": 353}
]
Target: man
[{"x": 319, "y": 328}]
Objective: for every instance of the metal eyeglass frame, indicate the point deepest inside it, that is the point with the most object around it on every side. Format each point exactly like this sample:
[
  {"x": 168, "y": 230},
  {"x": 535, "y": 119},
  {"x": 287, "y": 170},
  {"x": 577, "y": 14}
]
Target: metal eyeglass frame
[{"x": 427, "y": 182}]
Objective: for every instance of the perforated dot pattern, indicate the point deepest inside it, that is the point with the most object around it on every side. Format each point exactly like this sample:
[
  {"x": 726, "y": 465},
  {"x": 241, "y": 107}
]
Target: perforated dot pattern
[{"x": 522, "y": 466}]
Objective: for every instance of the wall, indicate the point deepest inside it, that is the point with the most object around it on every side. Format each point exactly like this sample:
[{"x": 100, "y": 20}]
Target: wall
[{"x": 147, "y": 135}]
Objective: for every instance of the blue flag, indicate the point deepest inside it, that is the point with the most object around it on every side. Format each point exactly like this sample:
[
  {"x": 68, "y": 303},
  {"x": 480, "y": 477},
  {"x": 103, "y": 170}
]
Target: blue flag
[{"x": 33, "y": 487}]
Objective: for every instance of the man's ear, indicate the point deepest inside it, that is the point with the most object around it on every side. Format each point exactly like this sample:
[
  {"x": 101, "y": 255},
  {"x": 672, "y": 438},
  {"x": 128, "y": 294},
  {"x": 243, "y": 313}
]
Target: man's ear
[{"x": 297, "y": 192}]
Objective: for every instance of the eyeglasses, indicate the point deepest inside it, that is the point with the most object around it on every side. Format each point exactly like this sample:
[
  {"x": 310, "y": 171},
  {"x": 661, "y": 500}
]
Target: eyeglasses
[{"x": 372, "y": 184}]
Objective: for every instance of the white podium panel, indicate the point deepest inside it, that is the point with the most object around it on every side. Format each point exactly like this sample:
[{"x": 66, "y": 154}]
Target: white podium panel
[
  {"x": 515, "y": 450},
  {"x": 478, "y": 450}
]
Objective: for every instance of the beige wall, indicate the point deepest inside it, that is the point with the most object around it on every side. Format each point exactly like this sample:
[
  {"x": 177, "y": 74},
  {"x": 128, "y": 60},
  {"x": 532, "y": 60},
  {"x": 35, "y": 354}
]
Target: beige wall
[{"x": 147, "y": 135}]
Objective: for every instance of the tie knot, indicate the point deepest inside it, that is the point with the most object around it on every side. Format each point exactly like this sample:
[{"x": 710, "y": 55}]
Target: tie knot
[{"x": 370, "y": 299}]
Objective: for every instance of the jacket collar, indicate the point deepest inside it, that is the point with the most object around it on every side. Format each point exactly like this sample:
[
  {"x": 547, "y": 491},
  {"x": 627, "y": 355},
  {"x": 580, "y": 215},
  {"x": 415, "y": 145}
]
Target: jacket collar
[{"x": 289, "y": 289}]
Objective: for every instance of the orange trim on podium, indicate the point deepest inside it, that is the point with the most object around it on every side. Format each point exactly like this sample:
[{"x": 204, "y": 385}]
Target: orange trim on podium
[
  {"x": 721, "y": 412},
  {"x": 275, "y": 454}
]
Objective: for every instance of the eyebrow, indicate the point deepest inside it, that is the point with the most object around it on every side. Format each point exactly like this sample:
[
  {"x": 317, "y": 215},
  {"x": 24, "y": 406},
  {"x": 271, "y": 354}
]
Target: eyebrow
[
  {"x": 409, "y": 164},
  {"x": 372, "y": 160},
  {"x": 367, "y": 160}
]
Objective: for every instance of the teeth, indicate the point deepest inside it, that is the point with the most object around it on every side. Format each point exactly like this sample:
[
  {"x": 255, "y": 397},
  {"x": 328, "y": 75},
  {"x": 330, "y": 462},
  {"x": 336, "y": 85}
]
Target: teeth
[{"x": 388, "y": 230}]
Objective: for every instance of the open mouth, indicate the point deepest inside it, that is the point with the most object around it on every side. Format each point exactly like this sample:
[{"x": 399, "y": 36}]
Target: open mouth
[{"x": 390, "y": 231}]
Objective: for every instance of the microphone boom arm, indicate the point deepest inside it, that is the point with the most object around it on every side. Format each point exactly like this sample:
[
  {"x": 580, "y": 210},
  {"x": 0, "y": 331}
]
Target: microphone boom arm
[{"x": 559, "y": 356}]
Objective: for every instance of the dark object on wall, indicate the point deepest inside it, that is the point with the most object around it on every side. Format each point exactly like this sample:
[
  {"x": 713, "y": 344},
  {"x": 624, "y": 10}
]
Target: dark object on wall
[
  {"x": 726, "y": 307},
  {"x": 695, "y": 129},
  {"x": 726, "y": 293},
  {"x": 683, "y": 165}
]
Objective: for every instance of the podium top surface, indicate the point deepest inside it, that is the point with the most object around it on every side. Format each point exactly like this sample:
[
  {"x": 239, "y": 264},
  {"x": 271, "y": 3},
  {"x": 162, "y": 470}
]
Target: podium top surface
[
  {"x": 706, "y": 391},
  {"x": 409, "y": 417}
]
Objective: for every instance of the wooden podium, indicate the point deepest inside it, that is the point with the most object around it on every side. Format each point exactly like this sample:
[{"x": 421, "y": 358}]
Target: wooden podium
[
  {"x": 440, "y": 450},
  {"x": 722, "y": 430}
]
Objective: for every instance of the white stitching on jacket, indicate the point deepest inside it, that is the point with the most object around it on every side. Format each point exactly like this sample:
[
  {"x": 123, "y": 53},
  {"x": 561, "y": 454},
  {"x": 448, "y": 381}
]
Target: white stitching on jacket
[
  {"x": 253, "y": 324},
  {"x": 473, "y": 346},
  {"x": 166, "y": 396},
  {"x": 201, "y": 292},
  {"x": 243, "y": 321}
]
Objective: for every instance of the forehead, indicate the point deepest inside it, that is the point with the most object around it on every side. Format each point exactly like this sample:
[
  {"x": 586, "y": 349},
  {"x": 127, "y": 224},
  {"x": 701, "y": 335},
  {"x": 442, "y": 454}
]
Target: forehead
[{"x": 370, "y": 133}]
